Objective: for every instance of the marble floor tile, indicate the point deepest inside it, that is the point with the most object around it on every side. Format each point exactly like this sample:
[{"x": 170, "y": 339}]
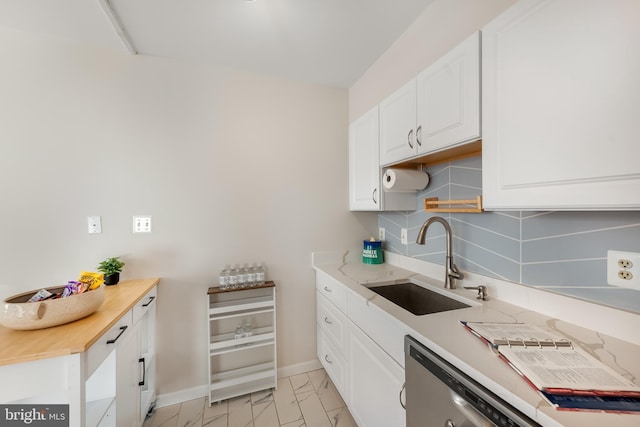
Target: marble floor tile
[
  {"x": 191, "y": 413},
  {"x": 215, "y": 415},
  {"x": 287, "y": 404},
  {"x": 312, "y": 410},
  {"x": 166, "y": 416},
  {"x": 341, "y": 418},
  {"x": 305, "y": 400},
  {"x": 327, "y": 392},
  {"x": 301, "y": 383},
  {"x": 240, "y": 412},
  {"x": 264, "y": 414}
]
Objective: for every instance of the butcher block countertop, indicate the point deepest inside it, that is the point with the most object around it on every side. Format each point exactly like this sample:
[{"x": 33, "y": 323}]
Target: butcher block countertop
[{"x": 75, "y": 337}]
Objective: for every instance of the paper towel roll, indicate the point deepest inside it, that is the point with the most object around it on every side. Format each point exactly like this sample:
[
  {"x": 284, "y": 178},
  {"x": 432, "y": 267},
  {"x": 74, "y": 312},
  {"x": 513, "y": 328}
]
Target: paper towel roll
[{"x": 404, "y": 180}]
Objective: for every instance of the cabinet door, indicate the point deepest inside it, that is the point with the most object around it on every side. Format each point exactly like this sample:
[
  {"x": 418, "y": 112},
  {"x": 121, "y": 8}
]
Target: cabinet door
[
  {"x": 397, "y": 125},
  {"x": 146, "y": 355},
  {"x": 561, "y": 101},
  {"x": 364, "y": 165},
  {"x": 127, "y": 378},
  {"x": 448, "y": 97},
  {"x": 375, "y": 381}
]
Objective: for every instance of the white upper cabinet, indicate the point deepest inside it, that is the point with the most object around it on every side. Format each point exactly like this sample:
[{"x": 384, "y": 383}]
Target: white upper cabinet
[
  {"x": 438, "y": 109},
  {"x": 398, "y": 125},
  {"x": 365, "y": 175},
  {"x": 449, "y": 98},
  {"x": 364, "y": 167},
  {"x": 561, "y": 106}
]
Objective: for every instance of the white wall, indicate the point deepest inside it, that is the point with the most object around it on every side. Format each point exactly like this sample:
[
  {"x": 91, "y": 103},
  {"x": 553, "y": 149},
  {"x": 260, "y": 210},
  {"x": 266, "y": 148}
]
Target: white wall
[
  {"x": 443, "y": 25},
  {"x": 233, "y": 167}
]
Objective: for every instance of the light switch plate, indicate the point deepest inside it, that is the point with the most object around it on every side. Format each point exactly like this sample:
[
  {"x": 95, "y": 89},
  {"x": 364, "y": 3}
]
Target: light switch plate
[
  {"x": 94, "y": 224},
  {"x": 142, "y": 224},
  {"x": 403, "y": 236}
]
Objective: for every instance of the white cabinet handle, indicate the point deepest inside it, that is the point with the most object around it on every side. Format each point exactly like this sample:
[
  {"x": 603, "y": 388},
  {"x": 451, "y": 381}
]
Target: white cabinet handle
[
  {"x": 326, "y": 358},
  {"x": 327, "y": 289},
  {"x": 409, "y": 138},
  {"x": 327, "y": 321}
]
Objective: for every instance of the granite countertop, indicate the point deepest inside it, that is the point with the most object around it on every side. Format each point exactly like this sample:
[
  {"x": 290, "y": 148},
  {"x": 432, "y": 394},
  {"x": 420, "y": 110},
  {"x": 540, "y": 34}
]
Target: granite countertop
[{"x": 443, "y": 333}]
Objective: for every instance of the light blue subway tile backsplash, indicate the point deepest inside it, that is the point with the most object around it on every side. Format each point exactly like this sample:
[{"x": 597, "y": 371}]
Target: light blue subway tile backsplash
[
  {"x": 564, "y": 252},
  {"x": 590, "y": 273}
]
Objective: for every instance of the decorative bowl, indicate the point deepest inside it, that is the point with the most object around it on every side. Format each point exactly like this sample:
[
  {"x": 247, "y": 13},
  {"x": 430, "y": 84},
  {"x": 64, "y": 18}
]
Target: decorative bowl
[{"x": 17, "y": 313}]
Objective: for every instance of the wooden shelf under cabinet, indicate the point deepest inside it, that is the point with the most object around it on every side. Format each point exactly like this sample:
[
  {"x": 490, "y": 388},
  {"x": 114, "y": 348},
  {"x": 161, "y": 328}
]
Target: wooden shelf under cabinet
[{"x": 468, "y": 206}]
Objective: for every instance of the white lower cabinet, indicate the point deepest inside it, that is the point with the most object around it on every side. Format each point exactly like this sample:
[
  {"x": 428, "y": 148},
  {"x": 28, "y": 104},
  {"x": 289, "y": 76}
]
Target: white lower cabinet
[
  {"x": 368, "y": 378},
  {"x": 135, "y": 364},
  {"x": 127, "y": 374},
  {"x": 375, "y": 383}
]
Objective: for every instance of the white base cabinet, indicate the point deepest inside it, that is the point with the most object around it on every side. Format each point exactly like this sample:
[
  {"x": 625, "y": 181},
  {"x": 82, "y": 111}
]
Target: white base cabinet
[
  {"x": 241, "y": 341},
  {"x": 135, "y": 365},
  {"x": 376, "y": 382},
  {"x": 362, "y": 351},
  {"x": 561, "y": 102},
  {"x": 104, "y": 385}
]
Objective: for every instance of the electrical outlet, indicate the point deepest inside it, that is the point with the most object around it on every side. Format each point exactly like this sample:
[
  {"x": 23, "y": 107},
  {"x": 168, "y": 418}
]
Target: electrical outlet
[
  {"x": 623, "y": 269},
  {"x": 625, "y": 275},
  {"x": 403, "y": 236},
  {"x": 381, "y": 234},
  {"x": 625, "y": 263}
]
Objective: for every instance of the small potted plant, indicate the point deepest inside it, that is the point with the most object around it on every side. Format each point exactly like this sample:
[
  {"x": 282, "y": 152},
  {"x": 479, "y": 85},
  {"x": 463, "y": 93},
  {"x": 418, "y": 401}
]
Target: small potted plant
[{"x": 111, "y": 268}]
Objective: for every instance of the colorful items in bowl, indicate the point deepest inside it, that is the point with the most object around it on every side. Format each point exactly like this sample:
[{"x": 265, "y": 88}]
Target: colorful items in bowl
[{"x": 47, "y": 310}]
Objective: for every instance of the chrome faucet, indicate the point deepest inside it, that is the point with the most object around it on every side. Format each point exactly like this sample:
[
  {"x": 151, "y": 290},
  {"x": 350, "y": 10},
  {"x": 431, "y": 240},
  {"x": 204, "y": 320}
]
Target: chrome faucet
[{"x": 452, "y": 271}]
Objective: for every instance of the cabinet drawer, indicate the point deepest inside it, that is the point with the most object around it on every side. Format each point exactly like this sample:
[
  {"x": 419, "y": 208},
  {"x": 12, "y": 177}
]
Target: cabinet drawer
[
  {"x": 107, "y": 342},
  {"x": 332, "y": 361},
  {"x": 332, "y": 322},
  {"x": 142, "y": 306},
  {"x": 332, "y": 290}
]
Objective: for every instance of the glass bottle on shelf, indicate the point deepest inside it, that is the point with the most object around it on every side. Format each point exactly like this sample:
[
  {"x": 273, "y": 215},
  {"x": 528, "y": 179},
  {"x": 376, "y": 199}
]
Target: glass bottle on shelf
[
  {"x": 251, "y": 276},
  {"x": 233, "y": 277},
  {"x": 239, "y": 332},
  {"x": 260, "y": 276},
  {"x": 247, "y": 331},
  {"x": 242, "y": 277},
  {"x": 223, "y": 278}
]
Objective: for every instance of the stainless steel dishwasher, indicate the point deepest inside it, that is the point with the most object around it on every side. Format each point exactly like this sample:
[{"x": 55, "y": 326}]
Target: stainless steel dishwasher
[{"x": 440, "y": 395}]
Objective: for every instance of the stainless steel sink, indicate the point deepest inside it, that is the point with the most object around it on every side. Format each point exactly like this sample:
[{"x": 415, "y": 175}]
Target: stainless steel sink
[{"x": 416, "y": 299}]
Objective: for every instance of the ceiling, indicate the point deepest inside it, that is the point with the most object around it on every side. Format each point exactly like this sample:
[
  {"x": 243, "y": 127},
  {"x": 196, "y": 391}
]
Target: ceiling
[{"x": 328, "y": 42}]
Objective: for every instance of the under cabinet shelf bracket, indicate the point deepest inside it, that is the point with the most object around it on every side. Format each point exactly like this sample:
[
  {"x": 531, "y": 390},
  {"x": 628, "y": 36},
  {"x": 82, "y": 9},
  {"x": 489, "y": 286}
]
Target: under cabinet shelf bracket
[{"x": 468, "y": 206}]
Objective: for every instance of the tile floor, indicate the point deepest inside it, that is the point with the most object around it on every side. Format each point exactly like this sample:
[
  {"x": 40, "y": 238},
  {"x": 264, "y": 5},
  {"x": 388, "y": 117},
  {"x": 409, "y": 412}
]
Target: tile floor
[{"x": 305, "y": 400}]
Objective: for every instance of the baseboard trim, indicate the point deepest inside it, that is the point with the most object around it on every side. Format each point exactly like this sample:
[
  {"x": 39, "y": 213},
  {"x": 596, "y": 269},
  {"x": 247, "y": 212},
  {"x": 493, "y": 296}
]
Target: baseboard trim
[
  {"x": 179, "y": 396},
  {"x": 299, "y": 368}
]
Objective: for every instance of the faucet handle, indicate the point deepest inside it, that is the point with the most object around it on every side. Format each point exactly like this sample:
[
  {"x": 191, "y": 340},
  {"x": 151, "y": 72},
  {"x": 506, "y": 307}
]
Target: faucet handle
[{"x": 482, "y": 291}]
